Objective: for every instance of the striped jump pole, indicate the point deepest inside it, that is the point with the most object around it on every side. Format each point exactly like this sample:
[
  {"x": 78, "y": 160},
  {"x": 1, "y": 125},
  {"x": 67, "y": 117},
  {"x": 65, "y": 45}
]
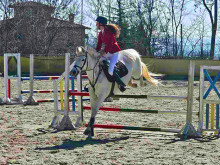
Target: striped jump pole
[
  {"x": 212, "y": 117},
  {"x": 52, "y": 100},
  {"x": 61, "y": 96},
  {"x": 111, "y": 109},
  {"x": 121, "y": 127},
  {"x": 150, "y": 97},
  {"x": 134, "y": 96},
  {"x": 79, "y": 93},
  {"x": 48, "y": 77},
  {"x": 73, "y": 97},
  {"x": 9, "y": 88},
  {"x": 43, "y": 91},
  {"x": 40, "y": 77}
]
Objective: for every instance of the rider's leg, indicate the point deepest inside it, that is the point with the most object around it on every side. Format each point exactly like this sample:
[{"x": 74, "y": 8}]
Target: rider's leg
[{"x": 113, "y": 60}]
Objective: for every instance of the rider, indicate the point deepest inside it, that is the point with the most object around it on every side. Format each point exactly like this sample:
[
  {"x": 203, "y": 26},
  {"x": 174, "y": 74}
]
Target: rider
[{"x": 107, "y": 35}]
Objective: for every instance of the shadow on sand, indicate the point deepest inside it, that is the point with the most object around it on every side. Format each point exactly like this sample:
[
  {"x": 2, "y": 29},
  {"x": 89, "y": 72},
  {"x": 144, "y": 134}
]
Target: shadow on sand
[{"x": 71, "y": 145}]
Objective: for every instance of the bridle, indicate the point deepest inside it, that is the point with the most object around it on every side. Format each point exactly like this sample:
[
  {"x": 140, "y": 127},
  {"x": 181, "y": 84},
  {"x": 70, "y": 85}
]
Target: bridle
[{"x": 79, "y": 68}]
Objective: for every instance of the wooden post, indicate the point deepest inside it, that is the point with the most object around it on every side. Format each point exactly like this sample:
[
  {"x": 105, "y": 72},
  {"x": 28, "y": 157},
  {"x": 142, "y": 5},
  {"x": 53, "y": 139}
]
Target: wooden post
[
  {"x": 19, "y": 97},
  {"x": 31, "y": 100},
  {"x": 6, "y": 99},
  {"x": 188, "y": 130}
]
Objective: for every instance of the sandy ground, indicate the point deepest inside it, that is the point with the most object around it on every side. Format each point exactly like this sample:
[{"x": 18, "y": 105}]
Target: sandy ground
[{"x": 22, "y": 143}]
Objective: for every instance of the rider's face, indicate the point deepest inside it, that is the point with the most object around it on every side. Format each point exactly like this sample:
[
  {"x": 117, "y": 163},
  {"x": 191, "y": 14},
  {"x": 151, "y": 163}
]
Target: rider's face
[{"x": 99, "y": 25}]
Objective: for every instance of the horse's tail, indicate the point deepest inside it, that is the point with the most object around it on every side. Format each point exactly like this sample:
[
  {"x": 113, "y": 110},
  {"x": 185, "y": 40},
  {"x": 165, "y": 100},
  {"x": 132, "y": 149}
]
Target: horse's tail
[{"x": 147, "y": 75}]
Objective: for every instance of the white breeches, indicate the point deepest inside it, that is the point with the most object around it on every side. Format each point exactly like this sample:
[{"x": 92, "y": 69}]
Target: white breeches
[{"x": 113, "y": 58}]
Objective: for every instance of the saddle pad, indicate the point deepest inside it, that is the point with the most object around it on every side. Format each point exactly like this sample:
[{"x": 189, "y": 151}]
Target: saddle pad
[{"x": 120, "y": 69}]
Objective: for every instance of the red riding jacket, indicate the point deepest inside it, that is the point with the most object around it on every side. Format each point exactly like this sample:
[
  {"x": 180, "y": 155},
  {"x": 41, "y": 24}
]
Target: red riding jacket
[{"x": 109, "y": 40}]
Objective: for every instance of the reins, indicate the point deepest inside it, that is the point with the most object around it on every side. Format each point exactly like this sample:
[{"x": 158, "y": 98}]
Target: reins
[{"x": 86, "y": 62}]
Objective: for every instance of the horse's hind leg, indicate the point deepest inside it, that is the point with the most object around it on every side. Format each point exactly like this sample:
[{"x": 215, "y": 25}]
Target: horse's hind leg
[
  {"x": 132, "y": 84},
  {"x": 142, "y": 83}
]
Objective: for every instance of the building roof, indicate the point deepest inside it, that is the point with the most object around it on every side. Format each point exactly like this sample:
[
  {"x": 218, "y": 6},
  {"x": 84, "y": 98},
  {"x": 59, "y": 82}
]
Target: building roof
[
  {"x": 30, "y": 4},
  {"x": 65, "y": 24},
  {"x": 55, "y": 21}
]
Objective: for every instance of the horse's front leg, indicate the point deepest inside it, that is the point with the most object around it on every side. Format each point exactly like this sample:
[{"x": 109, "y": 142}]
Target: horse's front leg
[{"x": 95, "y": 102}]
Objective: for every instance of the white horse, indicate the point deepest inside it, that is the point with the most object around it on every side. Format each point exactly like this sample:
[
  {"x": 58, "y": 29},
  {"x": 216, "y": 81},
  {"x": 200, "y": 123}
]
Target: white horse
[{"x": 88, "y": 60}]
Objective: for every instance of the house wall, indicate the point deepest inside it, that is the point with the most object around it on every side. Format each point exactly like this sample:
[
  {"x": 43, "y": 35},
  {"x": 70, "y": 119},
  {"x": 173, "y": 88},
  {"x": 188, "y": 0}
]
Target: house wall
[{"x": 33, "y": 30}]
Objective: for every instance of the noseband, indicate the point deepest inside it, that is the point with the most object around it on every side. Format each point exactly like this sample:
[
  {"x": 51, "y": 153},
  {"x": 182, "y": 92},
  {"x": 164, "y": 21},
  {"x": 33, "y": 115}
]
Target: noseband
[{"x": 79, "y": 68}]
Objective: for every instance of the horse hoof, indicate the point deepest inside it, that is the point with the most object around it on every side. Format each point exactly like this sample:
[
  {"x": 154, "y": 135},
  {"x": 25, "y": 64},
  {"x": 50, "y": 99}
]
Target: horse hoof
[
  {"x": 108, "y": 99},
  {"x": 143, "y": 85},
  {"x": 89, "y": 131},
  {"x": 133, "y": 85}
]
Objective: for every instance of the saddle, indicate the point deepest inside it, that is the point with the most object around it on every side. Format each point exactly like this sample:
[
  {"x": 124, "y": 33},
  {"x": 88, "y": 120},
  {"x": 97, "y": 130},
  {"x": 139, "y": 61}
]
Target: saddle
[{"x": 120, "y": 71}]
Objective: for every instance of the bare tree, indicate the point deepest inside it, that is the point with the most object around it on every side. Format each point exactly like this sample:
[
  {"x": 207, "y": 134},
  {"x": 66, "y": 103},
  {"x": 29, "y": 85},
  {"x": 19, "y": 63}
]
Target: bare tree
[
  {"x": 214, "y": 20},
  {"x": 176, "y": 13}
]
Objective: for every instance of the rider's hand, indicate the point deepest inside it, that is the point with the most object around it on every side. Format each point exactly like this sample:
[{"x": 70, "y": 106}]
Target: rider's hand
[{"x": 103, "y": 54}]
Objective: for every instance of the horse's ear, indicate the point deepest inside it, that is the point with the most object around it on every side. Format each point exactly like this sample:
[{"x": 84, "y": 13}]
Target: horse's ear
[{"x": 80, "y": 50}]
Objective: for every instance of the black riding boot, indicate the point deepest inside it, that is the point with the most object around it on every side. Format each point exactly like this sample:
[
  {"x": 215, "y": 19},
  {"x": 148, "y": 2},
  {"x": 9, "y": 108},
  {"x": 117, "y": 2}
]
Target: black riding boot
[
  {"x": 116, "y": 77},
  {"x": 119, "y": 81}
]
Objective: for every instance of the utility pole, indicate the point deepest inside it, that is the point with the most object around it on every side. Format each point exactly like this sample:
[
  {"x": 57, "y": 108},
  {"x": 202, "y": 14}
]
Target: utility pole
[{"x": 81, "y": 12}]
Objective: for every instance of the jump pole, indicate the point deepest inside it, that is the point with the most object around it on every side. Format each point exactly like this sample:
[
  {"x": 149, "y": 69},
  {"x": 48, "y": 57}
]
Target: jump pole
[
  {"x": 61, "y": 96},
  {"x": 43, "y": 91},
  {"x": 52, "y": 100},
  {"x": 80, "y": 119},
  {"x": 110, "y": 109},
  {"x": 48, "y": 77},
  {"x": 121, "y": 127}
]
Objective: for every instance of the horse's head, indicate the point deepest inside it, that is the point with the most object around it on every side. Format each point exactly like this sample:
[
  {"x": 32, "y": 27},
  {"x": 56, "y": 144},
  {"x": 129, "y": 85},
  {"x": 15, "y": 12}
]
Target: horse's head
[
  {"x": 80, "y": 61},
  {"x": 84, "y": 55}
]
